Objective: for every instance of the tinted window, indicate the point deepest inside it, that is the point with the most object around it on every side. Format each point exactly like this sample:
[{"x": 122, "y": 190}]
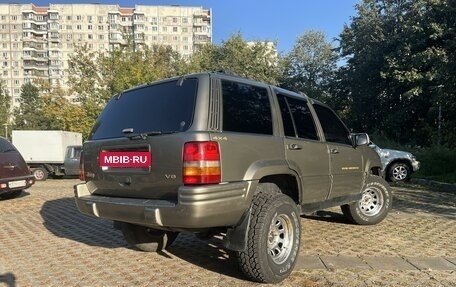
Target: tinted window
[
  {"x": 287, "y": 120},
  {"x": 246, "y": 108},
  {"x": 6, "y": 146},
  {"x": 333, "y": 128},
  {"x": 296, "y": 111},
  {"x": 166, "y": 107}
]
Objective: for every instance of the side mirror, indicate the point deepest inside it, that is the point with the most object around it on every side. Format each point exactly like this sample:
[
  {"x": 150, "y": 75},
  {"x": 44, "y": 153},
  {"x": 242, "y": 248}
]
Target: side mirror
[{"x": 360, "y": 139}]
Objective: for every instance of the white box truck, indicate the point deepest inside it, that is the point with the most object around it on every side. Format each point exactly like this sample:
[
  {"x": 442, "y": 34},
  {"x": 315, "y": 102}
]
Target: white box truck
[{"x": 54, "y": 153}]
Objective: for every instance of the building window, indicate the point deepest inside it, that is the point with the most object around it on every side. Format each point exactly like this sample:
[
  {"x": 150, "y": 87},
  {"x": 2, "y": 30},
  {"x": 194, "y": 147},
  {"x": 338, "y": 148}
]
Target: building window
[
  {"x": 154, "y": 29},
  {"x": 5, "y": 73},
  {"x": 89, "y": 27},
  {"x": 174, "y": 19},
  {"x": 90, "y": 36},
  {"x": 79, "y": 18},
  {"x": 68, "y": 18},
  {"x": 175, "y": 29},
  {"x": 184, "y": 30},
  {"x": 79, "y": 27},
  {"x": 100, "y": 27},
  {"x": 100, "y": 37},
  {"x": 69, "y": 27},
  {"x": 164, "y": 29},
  {"x": 100, "y": 19}
]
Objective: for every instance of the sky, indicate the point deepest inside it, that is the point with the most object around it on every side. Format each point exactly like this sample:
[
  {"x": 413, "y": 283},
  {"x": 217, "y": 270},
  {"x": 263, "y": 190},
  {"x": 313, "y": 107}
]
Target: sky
[{"x": 257, "y": 20}]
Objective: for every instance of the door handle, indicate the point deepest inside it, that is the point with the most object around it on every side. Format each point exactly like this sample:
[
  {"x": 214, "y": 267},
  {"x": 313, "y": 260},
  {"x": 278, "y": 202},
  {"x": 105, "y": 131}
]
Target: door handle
[
  {"x": 334, "y": 151},
  {"x": 10, "y": 166},
  {"x": 294, "y": 146}
]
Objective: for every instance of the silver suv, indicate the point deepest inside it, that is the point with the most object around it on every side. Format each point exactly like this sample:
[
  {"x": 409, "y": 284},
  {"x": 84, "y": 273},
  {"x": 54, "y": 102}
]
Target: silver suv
[
  {"x": 212, "y": 153},
  {"x": 397, "y": 166}
]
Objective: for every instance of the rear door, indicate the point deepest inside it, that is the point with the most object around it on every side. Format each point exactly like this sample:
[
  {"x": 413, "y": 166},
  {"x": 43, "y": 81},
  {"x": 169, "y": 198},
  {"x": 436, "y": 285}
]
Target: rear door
[
  {"x": 345, "y": 161},
  {"x": 305, "y": 153}
]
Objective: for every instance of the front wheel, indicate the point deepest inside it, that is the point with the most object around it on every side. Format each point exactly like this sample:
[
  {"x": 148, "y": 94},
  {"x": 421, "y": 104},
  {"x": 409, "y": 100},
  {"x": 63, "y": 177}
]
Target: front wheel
[
  {"x": 273, "y": 238},
  {"x": 399, "y": 172},
  {"x": 147, "y": 239},
  {"x": 374, "y": 205}
]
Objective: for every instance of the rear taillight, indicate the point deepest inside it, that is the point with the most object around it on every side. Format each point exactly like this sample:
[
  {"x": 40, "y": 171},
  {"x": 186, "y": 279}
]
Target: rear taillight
[
  {"x": 201, "y": 161},
  {"x": 81, "y": 167}
]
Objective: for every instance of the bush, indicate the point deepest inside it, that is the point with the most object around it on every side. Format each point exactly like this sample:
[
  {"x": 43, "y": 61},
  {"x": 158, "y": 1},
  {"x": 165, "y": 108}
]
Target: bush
[{"x": 437, "y": 163}]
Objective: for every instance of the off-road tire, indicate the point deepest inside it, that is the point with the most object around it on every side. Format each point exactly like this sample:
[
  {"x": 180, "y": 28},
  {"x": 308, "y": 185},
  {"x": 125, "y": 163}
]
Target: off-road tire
[
  {"x": 40, "y": 173},
  {"x": 273, "y": 238},
  {"x": 374, "y": 205},
  {"x": 147, "y": 239}
]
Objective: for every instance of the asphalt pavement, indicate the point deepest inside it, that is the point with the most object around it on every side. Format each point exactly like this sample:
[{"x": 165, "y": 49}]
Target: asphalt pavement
[{"x": 45, "y": 241}]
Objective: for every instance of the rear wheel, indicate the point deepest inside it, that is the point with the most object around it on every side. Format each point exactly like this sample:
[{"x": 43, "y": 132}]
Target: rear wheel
[
  {"x": 40, "y": 173},
  {"x": 374, "y": 205},
  {"x": 147, "y": 239},
  {"x": 273, "y": 238}
]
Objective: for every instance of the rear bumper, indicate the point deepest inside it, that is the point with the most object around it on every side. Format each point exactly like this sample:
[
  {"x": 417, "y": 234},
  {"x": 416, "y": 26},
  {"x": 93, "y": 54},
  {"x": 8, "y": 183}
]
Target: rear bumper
[
  {"x": 197, "y": 207},
  {"x": 29, "y": 181}
]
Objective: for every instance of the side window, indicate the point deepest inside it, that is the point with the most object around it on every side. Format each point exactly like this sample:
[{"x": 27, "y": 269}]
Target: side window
[
  {"x": 246, "y": 108},
  {"x": 333, "y": 128},
  {"x": 296, "y": 111}
]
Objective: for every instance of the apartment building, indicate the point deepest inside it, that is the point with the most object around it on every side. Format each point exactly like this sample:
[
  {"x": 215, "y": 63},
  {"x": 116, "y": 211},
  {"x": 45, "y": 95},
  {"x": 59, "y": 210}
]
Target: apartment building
[{"x": 36, "y": 42}]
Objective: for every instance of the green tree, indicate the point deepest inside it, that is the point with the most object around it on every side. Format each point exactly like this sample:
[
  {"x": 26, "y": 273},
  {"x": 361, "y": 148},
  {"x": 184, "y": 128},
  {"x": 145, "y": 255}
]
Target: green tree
[
  {"x": 397, "y": 53},
  {"x": 310, "y": 65},
  {"x": 256, "y": 60},
  {"x": 29, "y": 115},
  {"x": 5, "y": 105}
]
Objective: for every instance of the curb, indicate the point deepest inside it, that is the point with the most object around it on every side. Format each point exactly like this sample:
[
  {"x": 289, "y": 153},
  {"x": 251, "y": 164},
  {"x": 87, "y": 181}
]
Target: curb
[{"x": 440, "y": 186}]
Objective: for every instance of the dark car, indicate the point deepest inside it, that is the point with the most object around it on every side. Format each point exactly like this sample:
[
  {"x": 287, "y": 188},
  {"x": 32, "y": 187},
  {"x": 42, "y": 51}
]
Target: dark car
[{"x": 15, "y": 175}]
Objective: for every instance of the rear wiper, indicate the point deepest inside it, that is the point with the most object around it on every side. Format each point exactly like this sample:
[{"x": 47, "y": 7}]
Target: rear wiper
[{"x": 134, "y": 136}]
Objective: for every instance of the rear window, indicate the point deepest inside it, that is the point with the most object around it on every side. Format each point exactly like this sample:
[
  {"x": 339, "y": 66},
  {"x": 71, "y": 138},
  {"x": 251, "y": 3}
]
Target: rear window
[
  {"x": 6, "y": 146},
  {"x": 166, "y": 107}
]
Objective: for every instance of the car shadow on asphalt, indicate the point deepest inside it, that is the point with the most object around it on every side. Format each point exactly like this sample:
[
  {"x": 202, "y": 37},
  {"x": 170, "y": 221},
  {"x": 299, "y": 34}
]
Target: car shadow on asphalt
[
  {"x": 410, "y": 199},
  {"x": 9, "y": 279},
  {"x": 62, "y": 218},
  {"x": 208, "y": 254},
  {"x": 328, "y": 216}
]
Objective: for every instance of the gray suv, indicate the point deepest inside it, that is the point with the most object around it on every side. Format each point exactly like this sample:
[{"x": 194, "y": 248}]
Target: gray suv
[{"x": 213, "y": 153}]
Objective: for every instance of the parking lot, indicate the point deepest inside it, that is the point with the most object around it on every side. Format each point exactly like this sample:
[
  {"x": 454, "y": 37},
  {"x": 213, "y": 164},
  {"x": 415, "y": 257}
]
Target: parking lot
[{"x": 45, "y": 241}]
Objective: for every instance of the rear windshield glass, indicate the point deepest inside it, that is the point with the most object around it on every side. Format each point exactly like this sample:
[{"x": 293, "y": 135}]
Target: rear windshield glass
[
  {"x": 166, "y": 107},
  {"x": 6, "y": 146}
]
